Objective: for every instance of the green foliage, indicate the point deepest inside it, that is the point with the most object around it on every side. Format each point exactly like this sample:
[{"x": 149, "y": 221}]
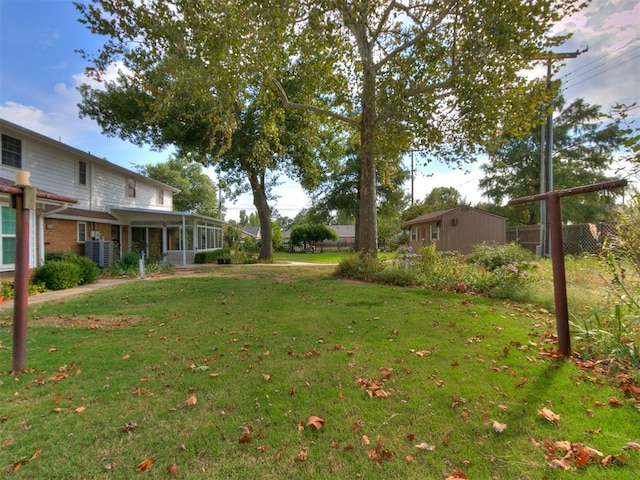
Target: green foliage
[
  {"x": 89, "y": 271},
  {"x": 583, "y": 153},
  {"x": 360, "y": 267},
  {"x": 614, "y": 331},
  {"x": 450, "y": 272},
  {"x": 130, "y": 259},
  {"x": 311, "y": 234},
  {"x": 440, "y": 198},
  {"x": 211, "y": 257},
  {"x": 198, "y": 193},
  {"x": 491, "y": 256},
  {"x": 58, "y": 275}
]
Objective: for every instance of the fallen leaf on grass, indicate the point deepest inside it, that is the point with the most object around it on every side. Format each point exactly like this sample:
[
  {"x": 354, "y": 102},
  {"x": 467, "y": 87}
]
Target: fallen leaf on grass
[
  {"x": 620, "y": 459},
  {"x": 317, "y": 422},
  {"x": 632, "y": 446},
  {"x": 426, "y": 447},
  {"x": 172, "y": 470},
  {"x": 80, "y": 409},
  {"x": 499, "y": 427},
  {"x": 191, "y": 401},
  {"x": 549, "y": 415},
  {"x": 615, "y": 402},
  {"x": 145, "y": 465},
  {"x": 378, "y": 454},
  {"x": 302, "y": 456},
  {"x": 457, "y": 475}
]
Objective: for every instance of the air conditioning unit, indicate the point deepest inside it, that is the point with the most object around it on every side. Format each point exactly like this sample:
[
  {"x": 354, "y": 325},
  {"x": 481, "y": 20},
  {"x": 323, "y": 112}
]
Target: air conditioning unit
[{"x": 101, "y": 253}]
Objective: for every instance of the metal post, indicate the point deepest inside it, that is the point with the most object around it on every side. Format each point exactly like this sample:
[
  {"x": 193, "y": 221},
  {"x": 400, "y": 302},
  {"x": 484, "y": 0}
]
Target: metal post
[
  {"x": 559, "y": 277},
  {"x": 21, "y": 281}
]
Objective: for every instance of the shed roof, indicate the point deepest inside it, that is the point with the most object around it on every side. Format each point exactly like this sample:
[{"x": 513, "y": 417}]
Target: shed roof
[{"x": 428, "y": 217}]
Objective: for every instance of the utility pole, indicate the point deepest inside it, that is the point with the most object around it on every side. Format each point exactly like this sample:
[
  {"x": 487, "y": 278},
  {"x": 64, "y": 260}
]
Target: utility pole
[{"x": 546, "y": 149}]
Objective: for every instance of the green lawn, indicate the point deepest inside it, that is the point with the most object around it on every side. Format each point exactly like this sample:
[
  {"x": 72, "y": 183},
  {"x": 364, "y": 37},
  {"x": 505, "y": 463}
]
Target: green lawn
[{"x": 217, "y": 376}]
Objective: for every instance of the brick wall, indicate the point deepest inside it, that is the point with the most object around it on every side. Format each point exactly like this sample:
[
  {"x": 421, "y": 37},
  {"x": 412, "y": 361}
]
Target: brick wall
[{"x": 62, "y": 235}]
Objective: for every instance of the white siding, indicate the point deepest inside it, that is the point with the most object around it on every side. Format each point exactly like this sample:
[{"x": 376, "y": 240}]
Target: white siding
[{"x": 53, "y": 168}]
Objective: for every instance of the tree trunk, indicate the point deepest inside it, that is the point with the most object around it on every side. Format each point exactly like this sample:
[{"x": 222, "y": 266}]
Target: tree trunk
[
  {"x": 264, "y": 215},
  {"x": 367, "y": 232}
]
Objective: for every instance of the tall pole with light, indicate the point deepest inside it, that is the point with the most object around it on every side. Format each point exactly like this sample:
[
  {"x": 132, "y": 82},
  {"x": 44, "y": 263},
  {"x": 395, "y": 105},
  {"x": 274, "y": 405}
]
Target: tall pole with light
[{"x": 25, "y": 201}]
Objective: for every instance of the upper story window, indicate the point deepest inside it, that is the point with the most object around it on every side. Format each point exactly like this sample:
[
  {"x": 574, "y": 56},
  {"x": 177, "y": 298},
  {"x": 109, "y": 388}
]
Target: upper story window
[
  {"x": 11, "y": 151},
  {"x": 160, "y": 196},
  {"x": 82, "y": 172},
  {"x": 131, "y": 188}
]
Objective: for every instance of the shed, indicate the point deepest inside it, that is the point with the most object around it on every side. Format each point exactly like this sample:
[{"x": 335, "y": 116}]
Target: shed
[{"x": 456, "y": 229}]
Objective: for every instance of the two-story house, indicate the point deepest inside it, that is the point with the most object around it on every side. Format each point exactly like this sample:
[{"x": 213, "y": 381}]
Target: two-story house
[{"x": 82, "y": 198}]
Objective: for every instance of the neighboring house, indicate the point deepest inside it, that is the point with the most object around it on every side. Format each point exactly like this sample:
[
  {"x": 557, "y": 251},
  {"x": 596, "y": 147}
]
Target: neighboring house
[
  {"x": 456, "y": 229},
  {"x": 250, "y": 232},
  {"x": 346, "y": 238},
  {"x": 83, "y": 200}
]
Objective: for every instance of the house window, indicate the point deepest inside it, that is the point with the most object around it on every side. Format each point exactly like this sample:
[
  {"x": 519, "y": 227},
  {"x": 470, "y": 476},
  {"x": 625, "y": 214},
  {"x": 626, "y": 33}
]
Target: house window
[
  {"x": 82, "y": 232},
  {"x": 82, "y": 172},
  {"x": 435, "y": 232},
  {"x": 11, "y": 151},
  {"x": 160, "y": 196},
  {"x": 8, "y": 236},
  {"x": 131, "y": 188},
  {"x": 414, "y": 234}
]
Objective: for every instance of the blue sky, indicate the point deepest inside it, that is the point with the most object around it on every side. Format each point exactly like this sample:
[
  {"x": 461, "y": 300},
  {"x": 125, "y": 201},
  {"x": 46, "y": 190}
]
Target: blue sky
[{"x": 40, "y": 70}]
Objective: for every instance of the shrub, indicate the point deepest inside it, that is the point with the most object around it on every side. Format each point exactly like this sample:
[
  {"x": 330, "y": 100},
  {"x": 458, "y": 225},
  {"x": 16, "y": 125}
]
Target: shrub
[
  {"x": 211, "y": 257},
  {"x": 362, "y": 267},
  {"x": 130, "y": 259},
  {"x": 494, "y": 256},
  {"x": 58, "y": 275},
  {"x": 89, "y": 271}
]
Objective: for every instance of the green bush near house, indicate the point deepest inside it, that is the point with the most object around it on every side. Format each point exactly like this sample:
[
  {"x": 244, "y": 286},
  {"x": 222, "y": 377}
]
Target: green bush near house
[
  {"x": 89, "y": 271},
  {"x": 211, "y": 257},
  {"x": 58, "y": 275}
]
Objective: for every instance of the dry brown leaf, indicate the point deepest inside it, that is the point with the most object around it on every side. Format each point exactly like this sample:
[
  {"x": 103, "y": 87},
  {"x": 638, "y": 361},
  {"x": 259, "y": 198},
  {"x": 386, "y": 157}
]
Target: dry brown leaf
[
  {"x": 245, "y": 439},
  {"x": 191, "y": 401},
  {"x": 457, "y": 475},
  {"x": 426, "y": 447},
  {"x": 145, "y": 465},
  {"x": 213, "y": 375},
  {"x": 302, "y": 456},
  {"x": 172, "y": 469},
  {"x": 365, "y": 440},
  {"x": 266, "y": 377},
  {"x": 632, "y": 446},
  {"x": 499, "y": 427},
  {"x": 549, "y": 415},
  {"x": 615, "y": 402},
  {"x": 423, "y": 353},
  {"x": 317, "y": 422},
  {"x": 80, "y": 409}
]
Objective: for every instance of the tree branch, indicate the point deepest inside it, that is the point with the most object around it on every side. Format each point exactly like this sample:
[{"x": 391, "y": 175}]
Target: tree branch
[{"x": 312, "y": 108}]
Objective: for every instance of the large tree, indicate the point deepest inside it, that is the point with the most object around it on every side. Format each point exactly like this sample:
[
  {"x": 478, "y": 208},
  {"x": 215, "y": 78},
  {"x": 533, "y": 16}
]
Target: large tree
[
  {"x": 198, "y": 193},
  {"x": 584, "y": 146},
  {"x": 440, "y": 198},
  {"x": 438, "y": 76}
]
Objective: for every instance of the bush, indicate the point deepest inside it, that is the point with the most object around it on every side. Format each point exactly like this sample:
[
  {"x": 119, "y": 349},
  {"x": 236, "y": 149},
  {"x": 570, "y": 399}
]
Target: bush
[
  {"x": 211, "y": 257},
  {"x": 130, "y": 259},
  {"x": 89, "y": 271},
  {"x": 361, "y": 267},
  {"x": 494, "y": 256},
  {"x": 58, "y": 275}
]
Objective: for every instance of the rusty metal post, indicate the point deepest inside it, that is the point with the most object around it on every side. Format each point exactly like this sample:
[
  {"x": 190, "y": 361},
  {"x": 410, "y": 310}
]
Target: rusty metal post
[
  {"x": 21, "y": 281},
  {"x": 554, "y": 212}
]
